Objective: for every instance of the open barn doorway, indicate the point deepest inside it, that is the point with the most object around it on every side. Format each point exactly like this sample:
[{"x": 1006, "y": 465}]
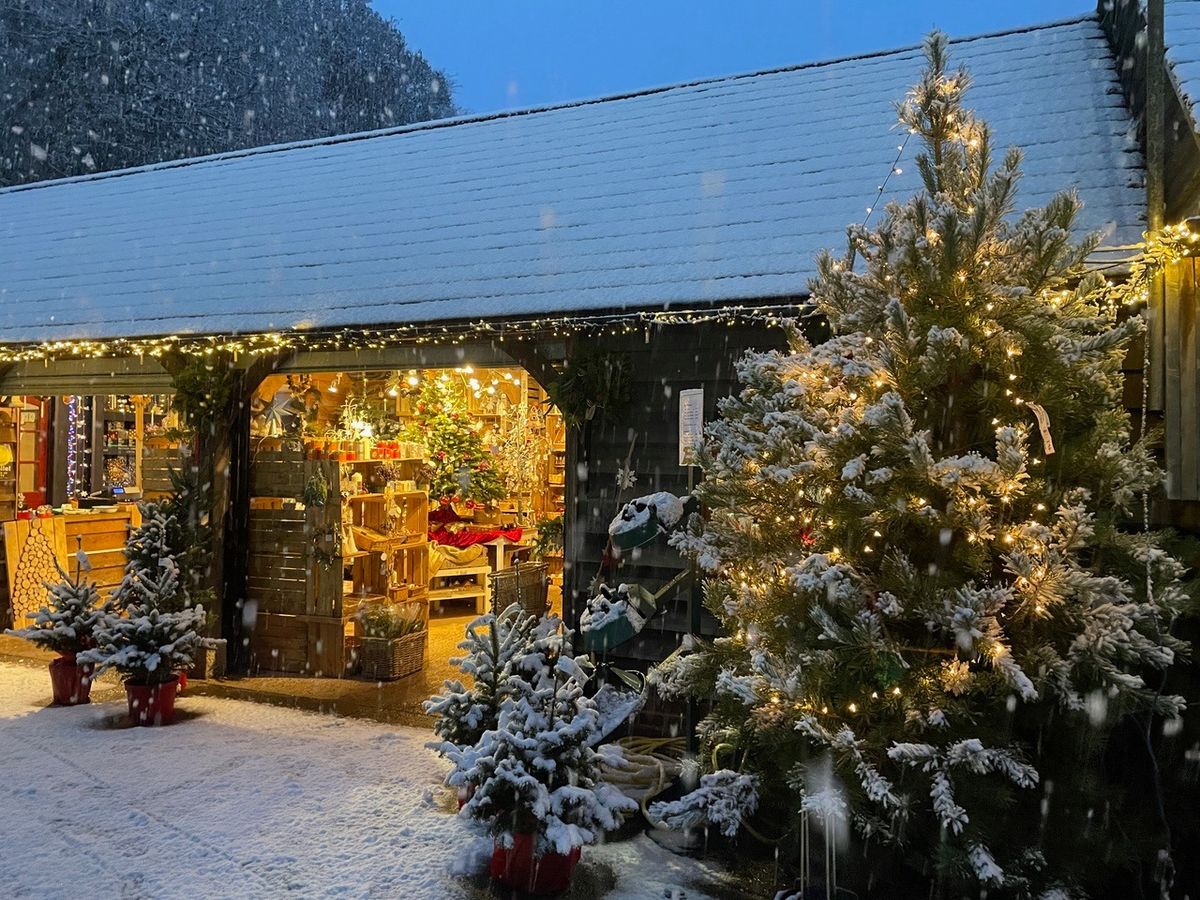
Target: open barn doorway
[{"x": 386, "y": 501}]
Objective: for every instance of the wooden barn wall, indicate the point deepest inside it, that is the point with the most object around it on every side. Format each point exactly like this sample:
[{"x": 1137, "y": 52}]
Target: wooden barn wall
[
  {"x": 664, "y": 362},
  {"x": 1181, "y": 395},
  {"x": 1175, "y": 344},
  {"x": 1123, "y": 21}
]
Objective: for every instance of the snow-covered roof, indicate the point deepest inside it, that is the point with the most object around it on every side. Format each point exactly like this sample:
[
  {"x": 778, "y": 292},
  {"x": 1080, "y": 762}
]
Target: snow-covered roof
[
  {"x": 709, "y": 192},
  {"x": 1181, "y": 40}
]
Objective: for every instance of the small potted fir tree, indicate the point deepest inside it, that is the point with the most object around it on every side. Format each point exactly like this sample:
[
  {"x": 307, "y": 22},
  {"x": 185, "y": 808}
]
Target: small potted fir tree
[
  {"x": 153, "y": 632},
  {"x": 494, "y": 644},
  {"x": 67, "y": 625},
  {"x": 536, "y": 773}
]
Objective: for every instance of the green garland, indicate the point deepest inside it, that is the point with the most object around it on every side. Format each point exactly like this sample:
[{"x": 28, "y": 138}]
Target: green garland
[{"x": 592, "y": 380}]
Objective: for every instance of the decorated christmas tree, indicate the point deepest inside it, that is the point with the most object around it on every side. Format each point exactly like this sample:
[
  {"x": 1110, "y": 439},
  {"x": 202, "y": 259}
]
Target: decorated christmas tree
[
  {"x": 924, "y": 541},
  {"x": 462, "y": 468}
]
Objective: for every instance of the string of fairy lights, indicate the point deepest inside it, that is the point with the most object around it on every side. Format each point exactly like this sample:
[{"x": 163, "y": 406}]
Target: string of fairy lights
[
  {"x": 770, "y": 315},
  {"x": 1172, "y": 244}
]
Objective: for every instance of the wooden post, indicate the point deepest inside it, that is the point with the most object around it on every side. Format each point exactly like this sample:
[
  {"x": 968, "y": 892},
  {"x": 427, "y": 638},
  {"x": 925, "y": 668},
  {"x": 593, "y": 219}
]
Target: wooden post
[
  {"x": 221, "y": 460},
  {"x": 139, "y": 437},
  {"x": 231, "y": 500}
]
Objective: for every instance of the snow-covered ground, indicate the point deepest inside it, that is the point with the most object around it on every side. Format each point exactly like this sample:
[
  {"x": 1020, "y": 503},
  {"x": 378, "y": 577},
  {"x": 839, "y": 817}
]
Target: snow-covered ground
[{"x": 244, "y": 800}]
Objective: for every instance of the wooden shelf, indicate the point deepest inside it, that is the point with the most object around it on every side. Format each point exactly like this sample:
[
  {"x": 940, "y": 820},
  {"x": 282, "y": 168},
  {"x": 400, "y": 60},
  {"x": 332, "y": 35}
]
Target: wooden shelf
[
  {"x": 464, "y": 592},
  {"x": 476, "y": 589},
  {"x": 462, "y": 571},
  {"x": 379, "y": 498},
  {"x": 375, "y": 462}
]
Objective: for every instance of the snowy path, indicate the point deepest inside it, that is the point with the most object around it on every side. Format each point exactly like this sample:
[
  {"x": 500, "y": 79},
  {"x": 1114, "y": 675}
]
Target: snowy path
[
  {"x": 238, "y": 799},
  {"x": 241, "y": 799}
]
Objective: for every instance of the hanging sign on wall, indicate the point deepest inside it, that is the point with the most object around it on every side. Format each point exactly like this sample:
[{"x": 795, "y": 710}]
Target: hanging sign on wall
[{"x": 691, "y": 424}]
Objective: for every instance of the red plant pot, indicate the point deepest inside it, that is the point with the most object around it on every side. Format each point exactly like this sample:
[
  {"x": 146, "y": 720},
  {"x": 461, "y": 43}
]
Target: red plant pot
[
  {"x": 72, "y": 683},
  {"x": 465, "y": 793},
  {"x": 516, "y": 867},
  {"x": 152, "y": 704}
]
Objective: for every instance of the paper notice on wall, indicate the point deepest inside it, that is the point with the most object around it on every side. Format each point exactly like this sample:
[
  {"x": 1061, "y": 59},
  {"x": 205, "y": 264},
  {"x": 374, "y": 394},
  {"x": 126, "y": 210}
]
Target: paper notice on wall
[
  {"x": 691, "y": 424},
  {"x": 1043, "y": 420}
]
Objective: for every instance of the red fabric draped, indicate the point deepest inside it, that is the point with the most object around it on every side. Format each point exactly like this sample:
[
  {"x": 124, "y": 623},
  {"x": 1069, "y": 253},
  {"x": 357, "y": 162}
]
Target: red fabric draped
[{"x": 470, "y": 537}]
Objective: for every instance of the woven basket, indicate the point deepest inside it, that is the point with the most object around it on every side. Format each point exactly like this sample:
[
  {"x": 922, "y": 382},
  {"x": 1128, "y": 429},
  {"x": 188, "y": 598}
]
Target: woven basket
[
  {"x": 384, "y": 659},
  {"x": 524, "y": 583}
]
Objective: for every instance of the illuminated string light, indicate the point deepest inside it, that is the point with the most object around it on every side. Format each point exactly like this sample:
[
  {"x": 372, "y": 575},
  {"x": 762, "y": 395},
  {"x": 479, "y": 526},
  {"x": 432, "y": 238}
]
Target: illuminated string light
[
  {"x": 72, "y": 446},
  {"x": 770, "y": 315}
]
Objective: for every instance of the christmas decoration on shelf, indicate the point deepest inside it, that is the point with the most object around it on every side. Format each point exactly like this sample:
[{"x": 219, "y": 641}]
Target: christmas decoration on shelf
[
  {"x": 921, "y": 542},
  {"x": 462, "y": 469}
]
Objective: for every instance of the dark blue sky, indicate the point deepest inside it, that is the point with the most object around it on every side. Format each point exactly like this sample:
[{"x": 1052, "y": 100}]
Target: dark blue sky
[{"x": 511, "y": 53}]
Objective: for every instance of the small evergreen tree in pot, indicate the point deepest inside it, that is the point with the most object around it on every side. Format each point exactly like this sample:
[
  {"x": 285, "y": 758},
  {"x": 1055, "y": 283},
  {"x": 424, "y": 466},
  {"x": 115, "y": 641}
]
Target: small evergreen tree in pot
[
  {"x": 152, "y": 633},
  {"x": 536, "y": 772},
  {"x": 67, "y": 625},
  {"x": 494, "y": 644}
]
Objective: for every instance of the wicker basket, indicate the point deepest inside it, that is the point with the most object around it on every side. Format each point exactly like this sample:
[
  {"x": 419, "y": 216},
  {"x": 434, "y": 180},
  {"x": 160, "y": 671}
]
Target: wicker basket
[
  {"x": 524, "y": 583},
  {"x": 384, "y": 659}
]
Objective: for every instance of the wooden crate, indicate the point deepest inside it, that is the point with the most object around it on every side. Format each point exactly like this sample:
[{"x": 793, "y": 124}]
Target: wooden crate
[
  {"x": 293, "y": 566},
  {"x": 281, "y": 473},
  {"x": 298, "y": 645},
  {"x": 103, "y": 536},
  {"x": 157, "y": 463},
  {"x": 278, "y": 566}
]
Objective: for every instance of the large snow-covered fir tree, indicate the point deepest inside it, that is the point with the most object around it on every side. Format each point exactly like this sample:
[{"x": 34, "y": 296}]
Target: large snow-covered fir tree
[{"x": 919, "y": 542}]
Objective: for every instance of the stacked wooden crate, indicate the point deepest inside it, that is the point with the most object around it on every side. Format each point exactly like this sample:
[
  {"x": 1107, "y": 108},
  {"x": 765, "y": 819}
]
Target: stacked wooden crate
[
  {"x": 157, "y": 463},
  {"x": 294, "y": 580}
]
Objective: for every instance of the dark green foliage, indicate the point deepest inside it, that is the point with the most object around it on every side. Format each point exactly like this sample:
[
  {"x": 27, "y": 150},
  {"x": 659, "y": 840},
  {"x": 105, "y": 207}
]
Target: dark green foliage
[
  {"x": 203, "y": 386},
  {"x": 94, "y": 85},
  {"x": 592, "y": 380}
]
